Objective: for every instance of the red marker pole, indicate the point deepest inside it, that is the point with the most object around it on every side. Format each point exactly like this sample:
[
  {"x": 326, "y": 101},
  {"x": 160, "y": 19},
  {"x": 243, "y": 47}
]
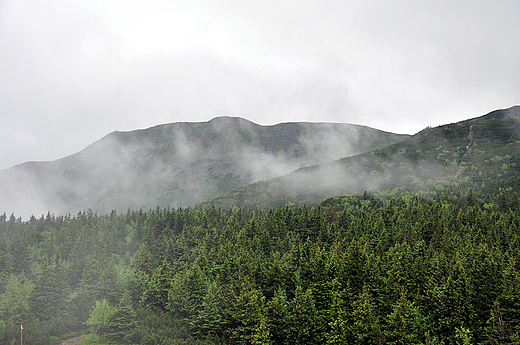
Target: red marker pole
[{"x": 21, "y": 333}]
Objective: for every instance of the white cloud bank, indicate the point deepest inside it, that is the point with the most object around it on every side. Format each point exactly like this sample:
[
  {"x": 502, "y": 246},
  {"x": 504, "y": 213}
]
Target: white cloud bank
[{"x": 71, "y": 72}]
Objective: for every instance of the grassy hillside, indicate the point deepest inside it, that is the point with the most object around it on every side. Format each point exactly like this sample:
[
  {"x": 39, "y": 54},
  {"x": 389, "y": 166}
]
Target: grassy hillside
[
  {"x": 178, "y": 164},
  {"x": 432, "y": 160}
]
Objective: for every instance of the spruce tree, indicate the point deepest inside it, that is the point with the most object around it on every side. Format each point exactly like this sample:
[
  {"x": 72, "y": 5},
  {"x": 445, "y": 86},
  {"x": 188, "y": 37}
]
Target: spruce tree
[{"x": 122, "y": 325}]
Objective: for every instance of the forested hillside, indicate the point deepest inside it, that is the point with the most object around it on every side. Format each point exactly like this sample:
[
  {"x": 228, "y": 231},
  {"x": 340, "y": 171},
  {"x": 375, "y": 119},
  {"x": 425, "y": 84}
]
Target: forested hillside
[
  {"x": 413, "y": 243},
  {"x": 481, "y": 153},
  {"x": 407, "y": 269},
  {"x": 177, "y": 164}
]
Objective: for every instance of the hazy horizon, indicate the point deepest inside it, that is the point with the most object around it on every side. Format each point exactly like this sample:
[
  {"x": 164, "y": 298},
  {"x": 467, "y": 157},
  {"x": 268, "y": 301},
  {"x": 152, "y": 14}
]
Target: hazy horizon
[{"x": 72, "y": 72}]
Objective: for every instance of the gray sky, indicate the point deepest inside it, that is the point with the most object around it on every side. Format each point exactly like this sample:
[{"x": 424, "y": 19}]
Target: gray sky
[{"x": 73, "y": 71}]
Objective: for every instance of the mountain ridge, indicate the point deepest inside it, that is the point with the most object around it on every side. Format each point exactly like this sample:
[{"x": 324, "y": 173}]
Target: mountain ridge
[
  {"x": 427, "y": 161},
  {"x": 178, "y": 164},
  {"x": 231, "y": 161}
]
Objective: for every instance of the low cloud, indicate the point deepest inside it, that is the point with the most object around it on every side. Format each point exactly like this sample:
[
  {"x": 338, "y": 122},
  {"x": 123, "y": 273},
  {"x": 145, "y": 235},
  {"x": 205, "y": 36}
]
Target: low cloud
[{"x": 174, "y": 165}]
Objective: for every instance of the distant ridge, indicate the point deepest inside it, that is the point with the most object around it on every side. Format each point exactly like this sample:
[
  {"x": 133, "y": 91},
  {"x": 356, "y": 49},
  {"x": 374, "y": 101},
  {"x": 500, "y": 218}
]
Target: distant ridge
[
  {"x": 430, "y": 161},
  {"x": 178, "y": 164}
]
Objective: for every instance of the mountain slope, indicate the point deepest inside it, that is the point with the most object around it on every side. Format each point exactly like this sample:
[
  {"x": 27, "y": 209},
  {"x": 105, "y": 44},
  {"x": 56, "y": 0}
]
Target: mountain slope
[
  {"x": 432, "y": 160},
  {"x": 178, "y": 164}
]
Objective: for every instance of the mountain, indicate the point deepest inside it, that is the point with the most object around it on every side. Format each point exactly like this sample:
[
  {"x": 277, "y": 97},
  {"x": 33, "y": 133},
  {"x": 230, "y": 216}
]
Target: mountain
[
  {"x": 481, "y": 153},
  {"x": 178, "y": 164}
]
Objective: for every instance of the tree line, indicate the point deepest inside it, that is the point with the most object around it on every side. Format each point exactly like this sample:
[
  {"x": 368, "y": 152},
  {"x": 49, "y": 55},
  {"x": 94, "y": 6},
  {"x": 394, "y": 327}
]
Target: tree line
[{"x": 398, "y": 269}]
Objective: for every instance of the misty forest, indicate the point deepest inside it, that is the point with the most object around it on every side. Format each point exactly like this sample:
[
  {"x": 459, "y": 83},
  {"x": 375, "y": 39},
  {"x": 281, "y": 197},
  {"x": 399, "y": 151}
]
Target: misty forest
[{"x": 175, "y": 236}]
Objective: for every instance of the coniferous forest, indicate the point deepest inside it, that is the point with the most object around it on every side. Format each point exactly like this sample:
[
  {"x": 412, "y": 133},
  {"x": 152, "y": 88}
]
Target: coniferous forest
[
  {"x": 399, "y": 268},
  {"x": 428, "y": 254}
]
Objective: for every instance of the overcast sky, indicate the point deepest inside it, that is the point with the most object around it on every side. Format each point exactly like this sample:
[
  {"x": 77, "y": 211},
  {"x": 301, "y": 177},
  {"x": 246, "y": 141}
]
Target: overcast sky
[{"x": 73, "y": 71}]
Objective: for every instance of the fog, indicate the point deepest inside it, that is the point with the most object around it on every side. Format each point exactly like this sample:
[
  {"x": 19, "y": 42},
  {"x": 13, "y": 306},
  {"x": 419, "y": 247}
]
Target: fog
[
  {"x": 431, "y": 161},
  {"x": 71, "y": 72},
  {"x": 179, "y": 164},
  {"x": 188, "y": 163}
]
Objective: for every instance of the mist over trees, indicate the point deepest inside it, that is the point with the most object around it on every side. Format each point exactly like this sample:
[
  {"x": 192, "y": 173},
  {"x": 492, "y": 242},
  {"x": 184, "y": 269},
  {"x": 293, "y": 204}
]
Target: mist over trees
[
  {"x": 401, "y": 269},
  {"x": 430, "y": 258},
  {"x": 435, "y": 159},
  {"x": 178, "y": 164}
]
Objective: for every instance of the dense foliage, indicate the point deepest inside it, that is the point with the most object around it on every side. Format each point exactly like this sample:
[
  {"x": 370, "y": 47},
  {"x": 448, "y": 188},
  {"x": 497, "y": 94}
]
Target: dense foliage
[
  {"x": 404, "y": 269},
  {"x": 481, "y": 153}
]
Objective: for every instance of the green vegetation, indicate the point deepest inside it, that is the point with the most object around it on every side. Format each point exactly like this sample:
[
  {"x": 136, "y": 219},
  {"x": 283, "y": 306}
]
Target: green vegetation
[
  {"x": 430, "y": 161},
  {"x": 401, "y": 269},
  {"x": 420, "y": 246}
]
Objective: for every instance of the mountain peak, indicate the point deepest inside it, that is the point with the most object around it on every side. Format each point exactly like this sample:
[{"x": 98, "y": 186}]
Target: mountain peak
[
  {"x": 225, "y": 119},
  {"x": 178, "y": 164}
]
